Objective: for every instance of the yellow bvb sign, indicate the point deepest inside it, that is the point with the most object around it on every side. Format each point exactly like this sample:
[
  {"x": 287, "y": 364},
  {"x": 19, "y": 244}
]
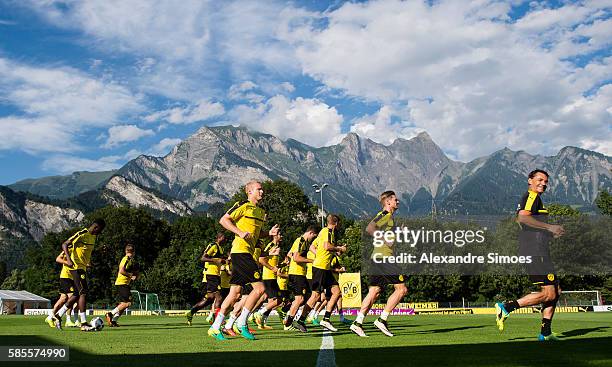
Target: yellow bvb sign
[{"x": 350, "y": 286}]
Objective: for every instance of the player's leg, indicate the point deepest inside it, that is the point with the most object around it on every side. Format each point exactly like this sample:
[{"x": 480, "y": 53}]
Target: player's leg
[
  {"x": 50, "y": 320},
  {"x": 548, "y": 312},
  {"x": 124, "y": 296},
  {"x": 400, "y": 290},
  {"x": 249, "y": 304},
  {"x": 366, "y": 305},
  {"x": 331, "y": 304},
  {"x": 232, "y": 297}
]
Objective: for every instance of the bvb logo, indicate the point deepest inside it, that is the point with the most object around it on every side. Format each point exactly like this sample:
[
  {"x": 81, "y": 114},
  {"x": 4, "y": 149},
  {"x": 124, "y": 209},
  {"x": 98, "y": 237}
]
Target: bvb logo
[
  {"x": 349, "y": 289},
  {"x": 256, "y": 275},
  {"x": 551, "y": 277}
]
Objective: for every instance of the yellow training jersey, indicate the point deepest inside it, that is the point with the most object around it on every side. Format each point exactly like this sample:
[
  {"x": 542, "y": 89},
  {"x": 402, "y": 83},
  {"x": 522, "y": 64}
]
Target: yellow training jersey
[
  {"x": 65, "y": 272},
  {"x": 257, "y": 251},
  {"x": 282, "y": 282},
  {"x": 335, "y": 264},
  {"x": 272, "y": 260},
  {"x": 204, "y": 272},
  {"x": 126, "y": 262},
  {"x": 81, "y": 246},
  {"x": 216, "y": 252},
  {"x": 384, "y": 222},
  {"x": 225, "y": 276},
  {"x": 250, "y": 218},
  {"x": 310, "y": 255},
  {"x": 323, "y": 257},
  {"x": 300, "y": 246}
]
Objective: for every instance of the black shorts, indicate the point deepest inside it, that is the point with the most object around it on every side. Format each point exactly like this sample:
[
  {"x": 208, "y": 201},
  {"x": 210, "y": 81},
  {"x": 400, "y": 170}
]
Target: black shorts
[
  {"x": 246, "y": 290},
  {"x": 79, "y": 278},
  {"x": 272, "y": 289},
  {"x": 298, "y": 285},
  {"x": 66, "y": 286},
  {"x": 224, "y": 293},
  {"x": 244, "y": 270},
  {"x": 124, "y": 293},
  {"x": 283, "y": 295},
  {"x": 541, "y": 271},
  {"x": 204, "y": 286},
  {"x": 322, "y": 279},
  {"x": 383, "y": 274},
  {"x": 309, "y": 280},
  {"x": 213, "y": 283}
]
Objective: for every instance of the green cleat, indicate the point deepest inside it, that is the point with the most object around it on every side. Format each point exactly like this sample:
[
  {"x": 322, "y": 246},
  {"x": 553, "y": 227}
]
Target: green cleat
[
  {"x": 316, "y": 322},
  {"x": 217, "y": 334},
  {"x": 69, "y": 323},
  {"x": 548, "y": 338},
  {"x": 346, "y": 321},
  {"x": 189, "y": 317},
  {"x": 244, "y": 331},
  {"x": 500, "y": 315}
]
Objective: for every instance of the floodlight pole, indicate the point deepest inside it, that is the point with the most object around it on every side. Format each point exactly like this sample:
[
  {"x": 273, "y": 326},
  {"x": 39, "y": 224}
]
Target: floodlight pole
[{"x": 319, "y": 189}]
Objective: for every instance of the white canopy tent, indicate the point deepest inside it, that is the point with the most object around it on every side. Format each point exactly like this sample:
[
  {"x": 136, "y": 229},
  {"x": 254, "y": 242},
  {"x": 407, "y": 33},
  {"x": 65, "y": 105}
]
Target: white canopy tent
[{"x": 14, "y": 302}]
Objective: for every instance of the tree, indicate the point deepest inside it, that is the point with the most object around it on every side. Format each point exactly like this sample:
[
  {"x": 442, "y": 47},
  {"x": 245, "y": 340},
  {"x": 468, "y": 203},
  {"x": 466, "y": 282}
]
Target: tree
[
  {"x": 604, "y": 203},
  {"x": 561, "y": 210}
]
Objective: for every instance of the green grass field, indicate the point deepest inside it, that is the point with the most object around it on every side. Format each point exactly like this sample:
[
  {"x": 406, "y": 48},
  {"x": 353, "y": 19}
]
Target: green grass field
[{"x": 466, "y": 340}]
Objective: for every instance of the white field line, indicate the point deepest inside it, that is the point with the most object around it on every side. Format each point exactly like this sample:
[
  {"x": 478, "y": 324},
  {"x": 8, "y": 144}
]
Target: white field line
[{"x": 326, "y": 357}]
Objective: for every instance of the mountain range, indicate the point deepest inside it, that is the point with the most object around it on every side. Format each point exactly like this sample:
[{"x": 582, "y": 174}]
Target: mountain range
[{"x": 211, "y": 165}]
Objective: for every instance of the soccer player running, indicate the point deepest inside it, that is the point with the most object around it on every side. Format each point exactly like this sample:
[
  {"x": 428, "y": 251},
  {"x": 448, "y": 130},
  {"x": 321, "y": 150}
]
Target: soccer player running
[
  {"x": 128, "y": 272},
  {"x": 269, "y": 258},
  {"x": 297, "y": 283},
  {"x": 382, "y": 274},
  {"x": 66, "y": 291},
  {"x": 322, "y": 275},
  {"x": 534, "y": 236},
  {"x": 245, "y": 221},
  {"x": 77, "y": 250},
  {"x": 213, "y": 258}
]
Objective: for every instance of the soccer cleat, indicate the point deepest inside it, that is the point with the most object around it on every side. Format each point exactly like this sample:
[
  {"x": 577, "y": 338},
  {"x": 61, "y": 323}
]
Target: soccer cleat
[
  {"x": 281, "y": 314},
  {"x": 309, "y": 320},
  {"x": 382, "y": 326},
  {"x": 300, "y": 327},
  {"x": 229, "y": 332},
  {"x": 316, "y": 322},
  {"x": 77, "y": 323},
  {"x": 251, "y": 316},
  {"x": 258, "y": 320},
  {"x": 69, "y": 323},
  {"x": 500, "y": 315},
  {"x": 209, "y": 318},
  {"x": 548, "y": 338},
  {"x": 85, "y": 326},
  {"x": 244, "y": 331},
  {"x": 57, "y": 322},
  {"x": 326, "y": 324},
  {"x": 346, "y": 321},
  {"x": 357, "y": 329},
  {"x": 109, "y": 318},
  {"x": 189, "y": 317},
  {"x": 265, "y": 327},
  {"x": 235, "y": 329},
  {"x": 217, "y": 334},
  {"x": 49, "y": 321},
  {"x": 288, "y": 328}
]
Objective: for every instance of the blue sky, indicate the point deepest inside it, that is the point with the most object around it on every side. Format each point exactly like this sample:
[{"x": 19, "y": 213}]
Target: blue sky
[{"x": 90, "y": 85}]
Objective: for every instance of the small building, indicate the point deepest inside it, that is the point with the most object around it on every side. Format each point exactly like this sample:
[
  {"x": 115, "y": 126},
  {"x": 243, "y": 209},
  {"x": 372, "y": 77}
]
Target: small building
[{"x": 15, "y": 302}]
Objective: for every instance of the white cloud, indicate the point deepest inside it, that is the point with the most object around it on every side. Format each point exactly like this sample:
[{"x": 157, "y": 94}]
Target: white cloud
[
  {"x": 163, "y": 147},
  {"x": 307, "y": 120},
  {"x": 55, "y": 104},
  {"x": 66, "y": 164},
  {"x": 472, "y": 78},
  {"x": 201, "y": 111},
  {"x": 381, "y": 128},
  {"x": 125, "y": 133}
]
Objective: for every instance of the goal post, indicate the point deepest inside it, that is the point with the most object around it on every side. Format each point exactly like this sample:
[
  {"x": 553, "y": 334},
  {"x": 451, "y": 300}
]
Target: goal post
[{"x": 580, "y": 298}]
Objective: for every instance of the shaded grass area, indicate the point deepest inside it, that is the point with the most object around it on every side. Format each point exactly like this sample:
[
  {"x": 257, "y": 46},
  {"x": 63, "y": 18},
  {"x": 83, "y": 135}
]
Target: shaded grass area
[{"x": 458, "y": 340}]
